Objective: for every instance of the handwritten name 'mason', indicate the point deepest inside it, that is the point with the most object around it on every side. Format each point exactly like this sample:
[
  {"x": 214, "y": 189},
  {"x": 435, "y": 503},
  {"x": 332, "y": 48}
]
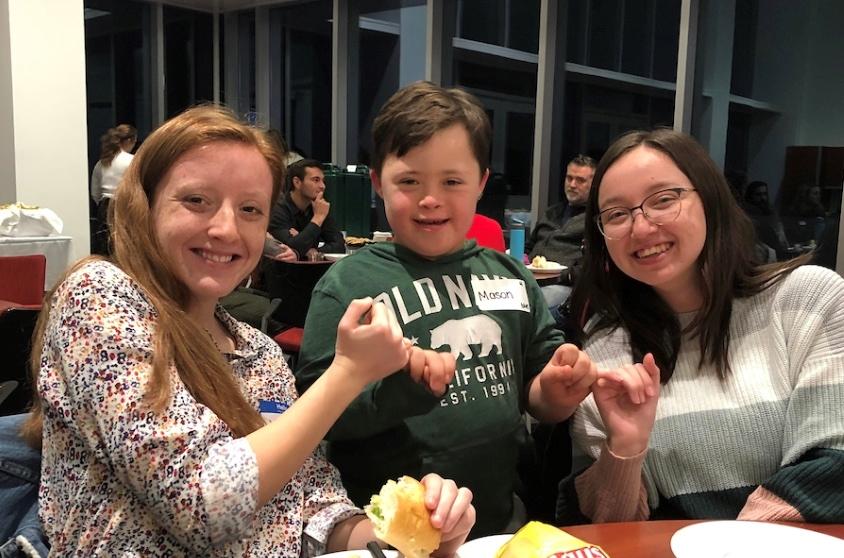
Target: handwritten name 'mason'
[{"x": 495, "y": 295}]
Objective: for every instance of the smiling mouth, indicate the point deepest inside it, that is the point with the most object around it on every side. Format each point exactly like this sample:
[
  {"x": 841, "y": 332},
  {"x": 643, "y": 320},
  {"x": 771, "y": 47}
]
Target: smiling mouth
[
  {"x": 430, "y": 222},
  {"x": 216, "y": 258},
  {"x": 653, "y": 250}
]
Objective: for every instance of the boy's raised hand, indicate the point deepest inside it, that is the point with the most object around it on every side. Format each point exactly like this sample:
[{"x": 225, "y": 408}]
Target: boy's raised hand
[
  {"x": 451, "y": 512},
  {"x": 564, "y": 382},
  {"x": 370, "y": 342},
  {"x": 435, "y": 370},
  {"x": 626, "y": 399}
]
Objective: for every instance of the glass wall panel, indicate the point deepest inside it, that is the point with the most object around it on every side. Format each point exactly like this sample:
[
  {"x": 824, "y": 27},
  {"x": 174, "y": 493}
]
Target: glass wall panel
[
  {"x": 118, "y": 73},
  {"x": 188, "y": 58},
  {"x": 117, "y": 64},
  {"x": 596, "y": 114},
  {"x": 391, "y": 55},
  {"x": 507, "y": 89},
  {"x": 506, "y": 23},
  {"x": 505, "y": 82},
  {"x": 304, "y": 33},
  {"x": 637, "y": 37},
  {"x": 769, "y": 73},
  {"x": 237, "y": 49}
]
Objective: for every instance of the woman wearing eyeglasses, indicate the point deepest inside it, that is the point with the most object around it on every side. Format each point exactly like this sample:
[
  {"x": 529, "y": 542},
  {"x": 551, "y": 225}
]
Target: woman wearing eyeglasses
[{"x": 739, "y": 411}]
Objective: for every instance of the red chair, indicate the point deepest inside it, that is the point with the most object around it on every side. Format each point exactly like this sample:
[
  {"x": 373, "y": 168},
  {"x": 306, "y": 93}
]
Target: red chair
[
  {"x": 486, "y": 232},
  {"x": 290, "y": 341},
  {"x": 22, "y": 279}
]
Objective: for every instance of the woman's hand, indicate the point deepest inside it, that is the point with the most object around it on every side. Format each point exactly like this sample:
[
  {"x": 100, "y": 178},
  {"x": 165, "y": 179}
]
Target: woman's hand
[
  {"x": 435, "y": 370},
  {"x": 627, "y": 399},
  {"x": 370, "y": 343},
  {"x": 285, "y": 254},
  {"x": 451, "y": 512}
]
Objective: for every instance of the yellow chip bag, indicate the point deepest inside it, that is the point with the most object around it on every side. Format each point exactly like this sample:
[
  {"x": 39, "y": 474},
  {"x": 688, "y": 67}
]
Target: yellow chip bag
[{"x": 540, "y": 540}]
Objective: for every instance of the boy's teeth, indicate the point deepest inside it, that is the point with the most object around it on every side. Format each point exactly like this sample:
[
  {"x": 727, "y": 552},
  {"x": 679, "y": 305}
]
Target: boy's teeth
[
  {"x": 215, "y": 258},
  {"x": 659, "y": 248}
]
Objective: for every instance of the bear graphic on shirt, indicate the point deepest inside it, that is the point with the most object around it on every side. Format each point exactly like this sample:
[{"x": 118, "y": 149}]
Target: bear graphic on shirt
[{"x": 461, "y": 334}]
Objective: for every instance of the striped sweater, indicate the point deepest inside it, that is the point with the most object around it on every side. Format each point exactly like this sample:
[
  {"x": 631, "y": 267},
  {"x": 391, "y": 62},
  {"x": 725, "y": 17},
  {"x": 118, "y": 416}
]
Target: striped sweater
[{"x": 766, "y": 443}]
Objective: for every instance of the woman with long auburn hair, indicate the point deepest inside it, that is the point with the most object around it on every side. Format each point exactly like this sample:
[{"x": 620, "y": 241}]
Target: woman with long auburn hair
[
  {"x": 739, "y": 411},
  {"x": 166, "y": 426}
]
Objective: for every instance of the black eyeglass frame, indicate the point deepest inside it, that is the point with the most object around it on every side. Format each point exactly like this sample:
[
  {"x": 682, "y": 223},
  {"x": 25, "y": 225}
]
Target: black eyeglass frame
[{"x": 679, "y": 190}]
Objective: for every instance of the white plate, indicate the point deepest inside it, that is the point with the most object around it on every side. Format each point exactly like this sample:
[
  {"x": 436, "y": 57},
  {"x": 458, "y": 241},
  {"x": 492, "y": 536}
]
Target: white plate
[
  {"x": 334, "y": 257},
  {"x": 359, "y": 554},
  {"x": 749, "y": 539},
  {"x": 549, "y": 267},
  {"x": 484, "y": 547}
]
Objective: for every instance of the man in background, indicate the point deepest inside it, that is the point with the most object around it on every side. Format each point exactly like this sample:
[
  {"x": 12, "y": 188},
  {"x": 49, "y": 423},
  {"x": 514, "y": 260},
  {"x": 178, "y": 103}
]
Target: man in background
[
  {"x": 301, "y": 218},
  {"x": 558, "y": 236}
]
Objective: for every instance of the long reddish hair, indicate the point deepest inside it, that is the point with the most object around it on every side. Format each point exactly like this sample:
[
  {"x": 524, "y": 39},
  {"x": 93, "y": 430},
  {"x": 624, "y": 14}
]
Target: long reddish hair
[{"x": 179, "y": 342}]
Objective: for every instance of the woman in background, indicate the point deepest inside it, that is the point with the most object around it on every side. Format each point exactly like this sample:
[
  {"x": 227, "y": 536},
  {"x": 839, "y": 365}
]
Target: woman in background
[
  {"x": 116, "y": 147},
  {"x": 169, "y": 428},
  {"x": 749, "y": 420}
]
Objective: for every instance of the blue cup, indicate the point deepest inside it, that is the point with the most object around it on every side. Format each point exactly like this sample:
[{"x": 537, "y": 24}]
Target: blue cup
[{"x": 517, "y": 240}]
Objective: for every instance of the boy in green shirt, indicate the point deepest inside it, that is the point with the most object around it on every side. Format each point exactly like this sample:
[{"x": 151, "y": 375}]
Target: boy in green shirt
[{"x": 500, "y": 354}]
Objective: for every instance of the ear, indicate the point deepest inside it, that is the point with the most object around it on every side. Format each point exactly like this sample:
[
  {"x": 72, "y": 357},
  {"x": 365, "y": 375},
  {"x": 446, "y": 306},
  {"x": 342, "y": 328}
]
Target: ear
[
  {"x": 297, "y": 183},
  {"x": 376, "y": 183},
  {"x": 482, "y": 185}
]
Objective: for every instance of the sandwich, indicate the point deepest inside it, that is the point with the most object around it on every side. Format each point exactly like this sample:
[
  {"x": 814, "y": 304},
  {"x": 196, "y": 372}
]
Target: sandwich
[{"x": 399, "y": 518}]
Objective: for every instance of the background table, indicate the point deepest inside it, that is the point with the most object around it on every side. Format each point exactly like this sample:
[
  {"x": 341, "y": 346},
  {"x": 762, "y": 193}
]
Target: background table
[
  {"x": 55, "y": 248},
  {"x": 652, "y": 539}
]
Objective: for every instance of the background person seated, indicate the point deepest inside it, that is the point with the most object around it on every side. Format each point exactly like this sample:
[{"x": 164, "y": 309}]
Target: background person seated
[
  {"x": 769, "y": 229},
  {"x": 805, "y": 216},
  {"x": 559, "y": 233},
  {"x": 301, "y": 219},
  {"x": 250, "y": 302}
]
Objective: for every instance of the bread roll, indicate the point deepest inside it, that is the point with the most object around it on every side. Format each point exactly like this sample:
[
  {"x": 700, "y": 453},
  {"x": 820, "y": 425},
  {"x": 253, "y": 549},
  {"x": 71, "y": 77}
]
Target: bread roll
[{"x": 400, "y": 518}]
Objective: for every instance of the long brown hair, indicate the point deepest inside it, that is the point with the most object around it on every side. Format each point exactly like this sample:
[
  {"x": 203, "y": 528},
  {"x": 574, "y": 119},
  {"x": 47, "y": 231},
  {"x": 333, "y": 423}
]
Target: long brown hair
[
  {"x": 179, "y": 342},
  {"x": 727, "y": 265},
  {"x": 111, "y": 141}
]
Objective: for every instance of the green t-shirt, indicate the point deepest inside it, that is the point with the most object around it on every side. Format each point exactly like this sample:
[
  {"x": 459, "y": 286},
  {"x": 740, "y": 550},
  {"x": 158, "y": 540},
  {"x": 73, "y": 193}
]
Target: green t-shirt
[{"x": 484, "y": 307}]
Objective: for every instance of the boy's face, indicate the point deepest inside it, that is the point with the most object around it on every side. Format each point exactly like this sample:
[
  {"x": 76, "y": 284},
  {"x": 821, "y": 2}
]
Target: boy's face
[{"x": 431, "y": 192}]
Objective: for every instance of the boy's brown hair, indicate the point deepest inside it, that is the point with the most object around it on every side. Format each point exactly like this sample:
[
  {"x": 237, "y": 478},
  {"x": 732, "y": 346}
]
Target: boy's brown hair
[{"x": 415, "y": 113}]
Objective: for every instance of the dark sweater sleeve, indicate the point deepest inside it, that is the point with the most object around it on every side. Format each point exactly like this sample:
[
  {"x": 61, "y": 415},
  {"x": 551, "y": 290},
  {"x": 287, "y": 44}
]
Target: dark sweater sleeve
[
  {"x": 811, "y": 477},
  {"x": 808, "y": 490},
  {"x": 382, "y": 405},
  {"x": 282, "y": 220},
  {"x": 543, "y": 229},
  {"x": 544, "y": 339}
]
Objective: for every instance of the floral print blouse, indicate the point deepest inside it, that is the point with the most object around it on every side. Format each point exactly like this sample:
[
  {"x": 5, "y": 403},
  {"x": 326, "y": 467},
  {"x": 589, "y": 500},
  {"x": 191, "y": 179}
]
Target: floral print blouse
[{"x": 118, "y": 480}]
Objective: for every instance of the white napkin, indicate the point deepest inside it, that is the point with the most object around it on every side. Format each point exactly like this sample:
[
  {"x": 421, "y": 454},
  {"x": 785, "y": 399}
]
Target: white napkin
[{"x": 28, "y": 220}]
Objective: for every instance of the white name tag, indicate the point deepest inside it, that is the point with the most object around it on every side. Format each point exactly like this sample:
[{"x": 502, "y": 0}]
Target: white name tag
[{"x": 501, "y": 294}]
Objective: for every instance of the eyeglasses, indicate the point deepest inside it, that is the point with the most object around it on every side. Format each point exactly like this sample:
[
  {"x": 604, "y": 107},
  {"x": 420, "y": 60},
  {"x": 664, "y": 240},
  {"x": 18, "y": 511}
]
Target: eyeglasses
[{"x": 659, "y": 208}]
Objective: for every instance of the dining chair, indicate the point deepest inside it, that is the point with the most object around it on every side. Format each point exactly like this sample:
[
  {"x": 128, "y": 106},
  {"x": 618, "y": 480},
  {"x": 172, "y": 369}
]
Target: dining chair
[
  {"x": 16, "y": 326},
  {"x": 292, "y": 283},
  {"x": 487, "y": 232},
  {"x": 22, "y": 278}
]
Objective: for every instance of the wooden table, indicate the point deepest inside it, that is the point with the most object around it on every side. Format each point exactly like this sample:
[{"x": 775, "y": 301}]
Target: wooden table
[{"x": 652, "y": 539}]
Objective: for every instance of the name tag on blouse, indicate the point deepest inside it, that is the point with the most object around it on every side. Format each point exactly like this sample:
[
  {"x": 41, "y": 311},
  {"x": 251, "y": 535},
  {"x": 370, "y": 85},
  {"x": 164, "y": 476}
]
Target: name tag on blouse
[
  {"x": 501, "y": 294},
  {"x": 271, "y": 410}
]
